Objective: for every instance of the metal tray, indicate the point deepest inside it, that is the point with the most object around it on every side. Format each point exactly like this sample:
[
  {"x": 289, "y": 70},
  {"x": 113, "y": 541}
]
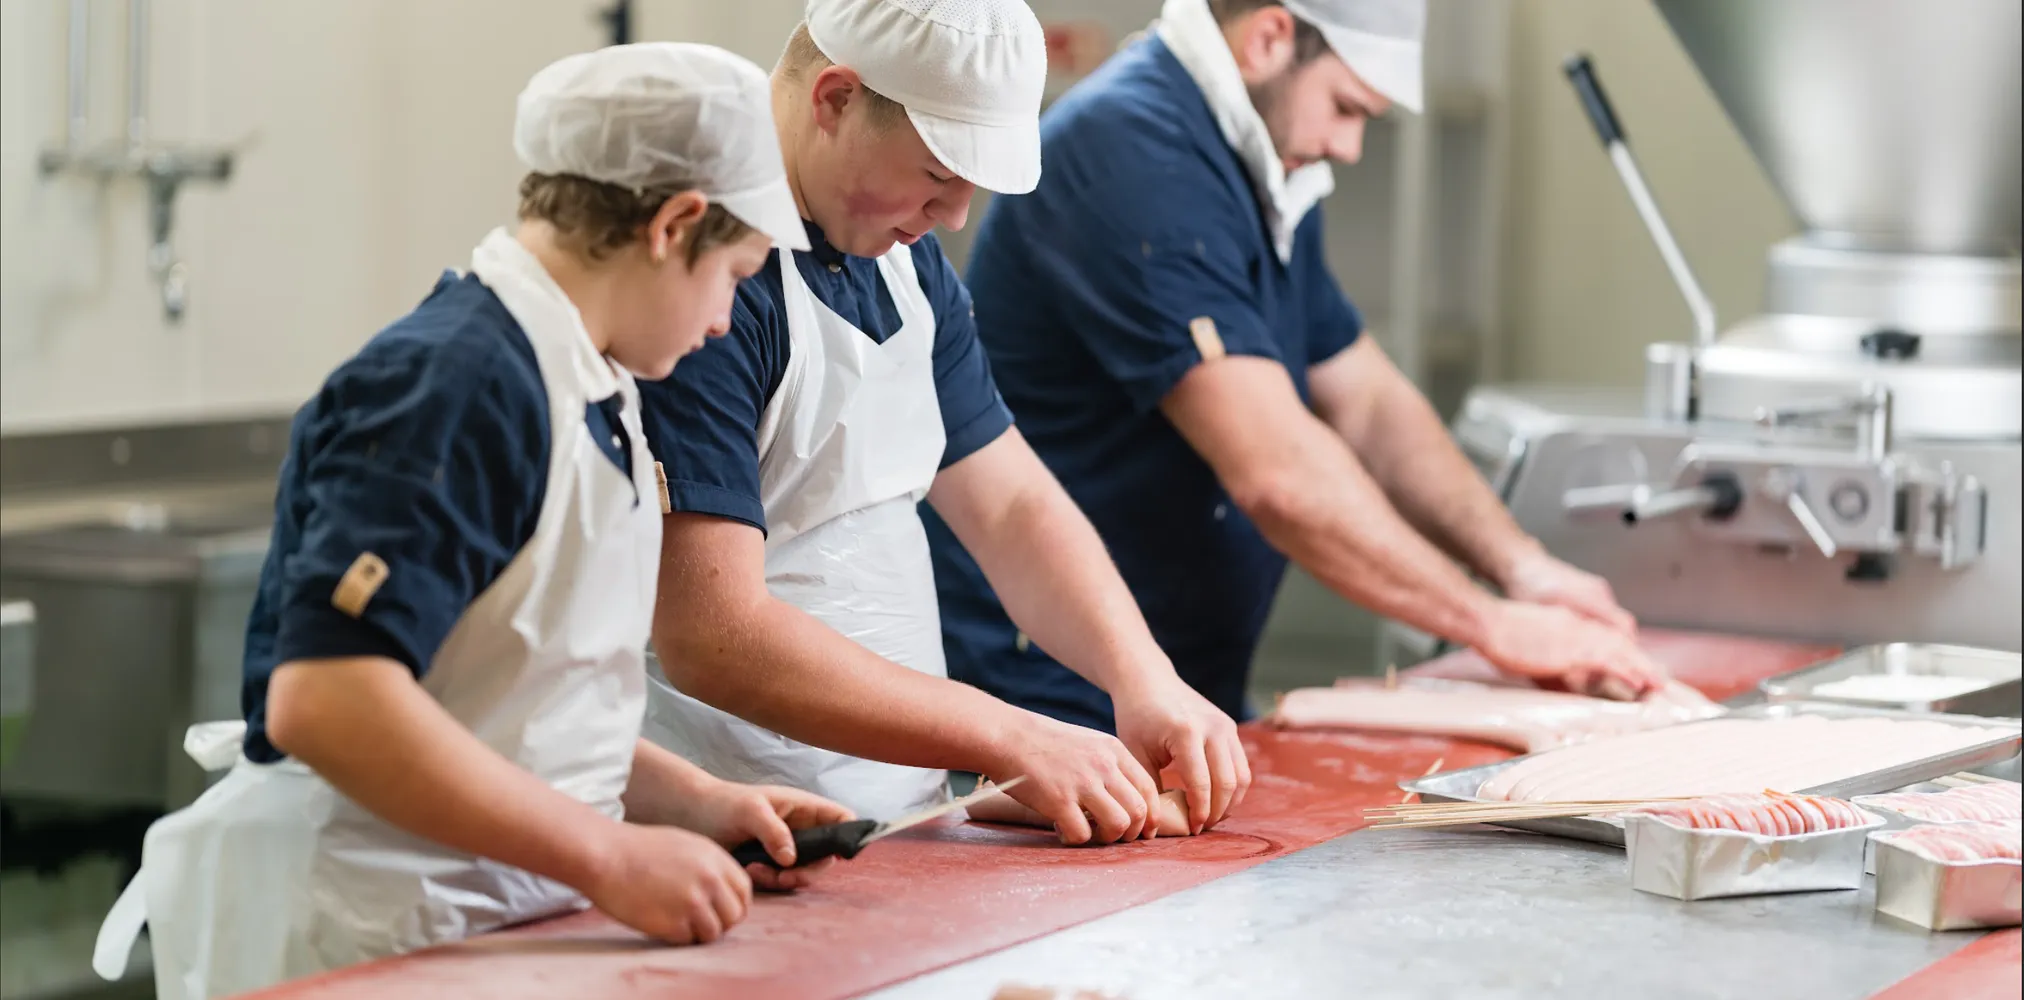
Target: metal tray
[
  {"x": 2004, "y": 696},
  {"x": 1461, "y": 786}
]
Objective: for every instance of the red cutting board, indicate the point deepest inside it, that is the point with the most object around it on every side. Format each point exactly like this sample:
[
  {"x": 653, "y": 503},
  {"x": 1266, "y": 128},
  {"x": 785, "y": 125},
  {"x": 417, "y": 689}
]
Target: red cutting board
[{"x": 947, "y": 893}]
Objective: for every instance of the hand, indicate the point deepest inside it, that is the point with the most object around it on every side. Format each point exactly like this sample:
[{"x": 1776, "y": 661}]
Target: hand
[
  {"x": 731, "y": 814},
  {"x": 669, "y": 884},
  {"x": 1171, "y": 729},
  {"x": 1539, "y": 578},
  {"x": 1555, "y": 645},
  {"x": 1078, "y": 778},
  {"x": 1683, "y": 698}
]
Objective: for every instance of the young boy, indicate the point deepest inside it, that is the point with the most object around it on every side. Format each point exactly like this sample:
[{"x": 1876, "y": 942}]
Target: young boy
[{"x": 444, "y": 673}]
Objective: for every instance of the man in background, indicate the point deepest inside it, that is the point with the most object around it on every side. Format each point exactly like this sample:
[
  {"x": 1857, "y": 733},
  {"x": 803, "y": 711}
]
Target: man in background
[{"x": 1162, "y": 322}]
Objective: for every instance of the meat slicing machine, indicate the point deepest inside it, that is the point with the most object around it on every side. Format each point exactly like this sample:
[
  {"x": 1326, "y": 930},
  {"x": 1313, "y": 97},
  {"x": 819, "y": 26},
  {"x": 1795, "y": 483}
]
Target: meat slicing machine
[{"x": 1845, "y": 466}]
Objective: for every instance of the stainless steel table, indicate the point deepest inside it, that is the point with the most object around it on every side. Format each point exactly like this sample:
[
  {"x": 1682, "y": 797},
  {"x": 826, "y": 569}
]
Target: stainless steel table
[{"x": 1474, "y": 913}]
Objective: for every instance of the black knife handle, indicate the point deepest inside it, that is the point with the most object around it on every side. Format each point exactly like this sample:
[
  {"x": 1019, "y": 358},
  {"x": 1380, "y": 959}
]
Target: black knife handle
[{"x": 812, "y": 844}]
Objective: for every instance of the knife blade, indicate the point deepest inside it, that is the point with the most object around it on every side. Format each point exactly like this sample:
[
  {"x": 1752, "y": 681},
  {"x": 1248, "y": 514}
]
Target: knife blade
[{"x": 844, "y": 840}]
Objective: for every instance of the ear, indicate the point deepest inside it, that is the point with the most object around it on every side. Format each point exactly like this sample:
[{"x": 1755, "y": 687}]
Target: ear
[
  {"x": 1263, "y": 44},
  {"x": 672, "y": 223},
  {"x": 832, "y": 92}
]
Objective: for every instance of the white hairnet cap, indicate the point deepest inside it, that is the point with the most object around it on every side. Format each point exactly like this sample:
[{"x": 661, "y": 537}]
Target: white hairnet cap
[
  {"x": 970, "y": 73},
  {"x": 663, "y": 115},
  {"x": 1379, "y": 39}
]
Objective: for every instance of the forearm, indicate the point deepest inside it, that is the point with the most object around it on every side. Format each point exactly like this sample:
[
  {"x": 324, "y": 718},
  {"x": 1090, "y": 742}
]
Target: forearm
[
  {"x": 1327, "y": 514},
  {"x": 368, "y": 729},
  {"x": 775, "y": 665},
  {"x": 1401, "y": 442},
  {"x": 663, "y": 788},
  {"x": 1057, "y": 583}
]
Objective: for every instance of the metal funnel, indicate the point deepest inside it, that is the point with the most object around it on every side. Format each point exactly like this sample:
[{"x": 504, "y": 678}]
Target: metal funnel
[{"x": 1887, "y": 124}]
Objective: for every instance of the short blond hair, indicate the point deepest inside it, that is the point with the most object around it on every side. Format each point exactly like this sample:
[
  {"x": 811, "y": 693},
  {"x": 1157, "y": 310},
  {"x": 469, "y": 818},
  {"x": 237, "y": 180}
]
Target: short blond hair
[{"x": 802, "y": 59}]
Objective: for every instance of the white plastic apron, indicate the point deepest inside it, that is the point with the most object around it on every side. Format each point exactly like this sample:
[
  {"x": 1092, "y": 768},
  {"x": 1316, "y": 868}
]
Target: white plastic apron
[
  {"x": 848, "y": 446},
  {"x": 273, "y": 874}
]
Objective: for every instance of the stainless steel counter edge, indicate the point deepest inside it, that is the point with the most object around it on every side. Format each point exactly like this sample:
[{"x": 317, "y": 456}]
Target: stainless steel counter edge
[{"x": 1470, "y": 913}]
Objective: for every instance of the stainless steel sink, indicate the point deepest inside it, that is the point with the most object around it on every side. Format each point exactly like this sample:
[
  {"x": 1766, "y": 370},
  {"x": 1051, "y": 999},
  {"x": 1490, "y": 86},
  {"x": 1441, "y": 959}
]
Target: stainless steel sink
[
  {"x": 146, "y": 546},
  {"x": 140, "y": 627},
  {"x": 17, "y": 672}
]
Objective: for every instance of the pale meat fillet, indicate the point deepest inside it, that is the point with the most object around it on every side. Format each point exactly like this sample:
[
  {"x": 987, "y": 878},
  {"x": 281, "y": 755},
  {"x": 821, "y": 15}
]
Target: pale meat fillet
[
  {"x": 1770, "y": 814},
  {"x": 1172, "y": 811},
  {"x": 1962, "y": 841},
  {"x": 1528, "y": 720},
  {"x": 1729, "y": 755},
  {"x": 1999, "y": 800}
]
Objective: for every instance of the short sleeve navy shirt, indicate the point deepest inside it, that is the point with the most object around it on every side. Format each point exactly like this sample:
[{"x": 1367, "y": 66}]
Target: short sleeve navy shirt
[
  {"x": 702, "y": 422},
  {"x": 428, "y": 449},
  {"x": 1094, "y": 295}
]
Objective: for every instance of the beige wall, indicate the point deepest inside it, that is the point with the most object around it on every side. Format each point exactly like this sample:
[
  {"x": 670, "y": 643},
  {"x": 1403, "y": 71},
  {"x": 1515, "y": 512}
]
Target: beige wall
[
  {"x": 1584, "y": 287},
  {"x": 378, "y": 151}
]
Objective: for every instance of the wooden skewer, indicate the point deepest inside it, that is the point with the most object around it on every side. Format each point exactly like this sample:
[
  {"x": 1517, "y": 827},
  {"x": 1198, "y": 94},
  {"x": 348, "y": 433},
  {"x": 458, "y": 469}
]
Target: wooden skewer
[
  {"x": 1472, "y": 819},
  {"x": 1441, "y": 807},
  {"x": 1497, "y": 817},
  {"x": 1972, "y": 778},
  {"x": 1464, "y": 813},
  {"x": 1409, "y": 796}
]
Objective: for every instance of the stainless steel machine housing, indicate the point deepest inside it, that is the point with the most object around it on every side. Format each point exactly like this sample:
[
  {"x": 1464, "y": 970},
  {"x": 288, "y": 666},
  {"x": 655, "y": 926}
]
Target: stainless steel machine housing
[{"x": 1844, "y": 466}]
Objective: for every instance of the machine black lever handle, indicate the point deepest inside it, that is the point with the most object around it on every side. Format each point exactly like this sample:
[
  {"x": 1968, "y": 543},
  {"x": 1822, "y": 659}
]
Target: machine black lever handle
[{"x": 1581, "y": 73}]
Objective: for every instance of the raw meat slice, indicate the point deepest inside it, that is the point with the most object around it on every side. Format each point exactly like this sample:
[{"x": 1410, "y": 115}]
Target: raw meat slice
[
  {"x": 1521, "y": 719},
  {"x": 1962, "y": 841},
  {"x": 1172, "y": 809},
  {"x": 1766, "y": 814},
  {"x": 1995, "y": 801},
  {"x": 1720, "y": 665},
  {"x": 1729, "y": 755}
]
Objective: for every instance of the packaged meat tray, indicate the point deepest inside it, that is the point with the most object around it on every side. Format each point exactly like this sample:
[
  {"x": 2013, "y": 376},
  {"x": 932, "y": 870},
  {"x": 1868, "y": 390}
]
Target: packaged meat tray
[
  {"x": 1764, "y": 844},
  {"x": 1938, "y": 890},
  {"x": 1980, "y": 741},
  {"x": 1993, "y": 801}
]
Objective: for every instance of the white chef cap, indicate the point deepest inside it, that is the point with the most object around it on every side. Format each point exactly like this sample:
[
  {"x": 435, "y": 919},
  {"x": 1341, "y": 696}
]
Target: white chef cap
[
  {"x": 663, "y": 115},
  {"x": 1379, "y": 39},
  {"x": 970, "y": 74}
]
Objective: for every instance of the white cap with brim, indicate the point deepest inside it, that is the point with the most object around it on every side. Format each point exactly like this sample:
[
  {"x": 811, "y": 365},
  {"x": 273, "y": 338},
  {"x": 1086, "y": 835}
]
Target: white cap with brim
[
  {"x": 663, "y": 115},
  {"x": 770, "y": 209},
  {"x": 970, "y": 73},
  {"x": 1380, "y": 39}
]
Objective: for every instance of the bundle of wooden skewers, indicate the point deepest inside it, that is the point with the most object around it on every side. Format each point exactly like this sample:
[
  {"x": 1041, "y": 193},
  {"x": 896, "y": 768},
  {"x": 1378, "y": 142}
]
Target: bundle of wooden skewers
[
  {"x": 1426, "y": 815},
  {"x": 1410, "y": 815},
  {"x": 1963, "y": 779}
]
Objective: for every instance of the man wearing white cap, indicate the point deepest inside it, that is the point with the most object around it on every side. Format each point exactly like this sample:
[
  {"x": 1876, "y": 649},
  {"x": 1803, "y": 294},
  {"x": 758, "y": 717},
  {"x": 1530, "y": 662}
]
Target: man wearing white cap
[
  {"x": 798, "y": 622},
  {"x": 1163, "y": 324},
  {"x": 444, "y": 671}
]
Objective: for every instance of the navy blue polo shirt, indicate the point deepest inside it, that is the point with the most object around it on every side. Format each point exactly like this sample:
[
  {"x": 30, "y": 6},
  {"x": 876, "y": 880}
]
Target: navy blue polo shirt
[
  {"x": 1145, "y": 221},
  {"x": 702, "y": 422},
  {"x": 429, "y": 449}
]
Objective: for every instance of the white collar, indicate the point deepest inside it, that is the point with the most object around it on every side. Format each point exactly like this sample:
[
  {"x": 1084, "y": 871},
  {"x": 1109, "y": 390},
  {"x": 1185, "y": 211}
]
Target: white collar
[
  {"x": 545, "y": 312},
  {"x": 1191, "y": 32}
]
